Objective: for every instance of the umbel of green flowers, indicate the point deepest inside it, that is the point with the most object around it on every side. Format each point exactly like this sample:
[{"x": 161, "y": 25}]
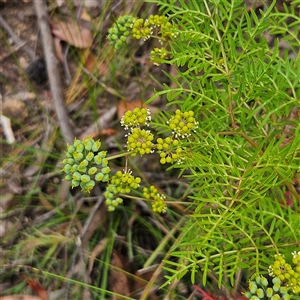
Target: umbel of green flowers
[
  {"x": 119, "y": 32},
  {"x": 140, "y": 29},
  {"x": 140, "y": 141},
  {"x": 261, "y": 289},
  {"x": 158, "y": 204},
  {"x": 85, "y": 165},
  {"x": 285, "y": 283},
  {"x": 155, "y": 26},
  {"x": 289, "y": 274},
  {"x": 120, "y": 183}
]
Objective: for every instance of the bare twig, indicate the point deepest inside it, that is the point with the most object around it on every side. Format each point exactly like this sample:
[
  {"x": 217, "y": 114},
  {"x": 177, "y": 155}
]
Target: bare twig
[
  {"x": 6, "y": 124},
  {"x": 16, "y": 39},
  {"x": 102, "y": 123},
  {"x": 14, "y": 49},
  {"x": 65, "y": 54},
  {"x": 52, "y": 70}
]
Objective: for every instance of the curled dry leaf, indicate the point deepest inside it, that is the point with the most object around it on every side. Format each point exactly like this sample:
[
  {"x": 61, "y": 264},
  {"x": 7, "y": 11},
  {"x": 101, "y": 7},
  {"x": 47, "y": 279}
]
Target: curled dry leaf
[
  {"x": 72, "y": 33},
  {"x": 58, "y": 49}
]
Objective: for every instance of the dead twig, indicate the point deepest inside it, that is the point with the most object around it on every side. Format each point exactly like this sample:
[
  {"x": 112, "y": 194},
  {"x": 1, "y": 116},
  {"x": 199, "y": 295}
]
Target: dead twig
[
  {"x": 8, "y": 132},
  {"x": 14, "y": 49},
  {"x": 52, "y": 71},
  {"x": 19, "y": 43}
]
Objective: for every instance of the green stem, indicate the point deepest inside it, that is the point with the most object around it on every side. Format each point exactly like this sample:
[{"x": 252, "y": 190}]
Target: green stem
[{"x": 119, "y": 155}]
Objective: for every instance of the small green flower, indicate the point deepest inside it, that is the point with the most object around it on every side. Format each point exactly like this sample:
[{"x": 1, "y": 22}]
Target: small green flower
[
  {"x": 252, "y": 287},
  {"x": 264, "y": 281},
  {"x": 105, "y": 170},
  {"x": 269, "y": 292},
  {"x": 89, "y": 186},
  {"x": 75, "y": 183},
  {"x": 78, "y": 156},
  {"x": 260, "y": 293},
  {"x": 158, "y": 55},
  {"x": 67, "y": 168},
  {"x": 99, "y": 177},
  {"x": 96, "y": 146},
  {"x": 68, "y": 161},
  {"x": 68, "y": 177},
  {"x": 247, "y": 294},
  {"x": 84, "y": 163},
  {"x": 111, "y": 208},
  {"x": 89, "y": 156},
  {"x": 80, "y": 148},
  {"x": 92, "y": 171},
  {"x": 276, "y": 280},
  {"x": 98, "y": 159},
  {"x": 76, "y": 176},
  {"x": 276, "y": 287},
  {"x": 71, "y": 149},
  {"x": 88, "y": 144},
  {"x": 85, "y": 178}
]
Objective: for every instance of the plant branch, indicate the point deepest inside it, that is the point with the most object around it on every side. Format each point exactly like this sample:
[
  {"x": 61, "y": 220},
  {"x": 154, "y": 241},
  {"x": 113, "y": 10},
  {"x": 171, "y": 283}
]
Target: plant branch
[
  {"x": 289, "y": 185},
  {"x": 52, "y": 70}
]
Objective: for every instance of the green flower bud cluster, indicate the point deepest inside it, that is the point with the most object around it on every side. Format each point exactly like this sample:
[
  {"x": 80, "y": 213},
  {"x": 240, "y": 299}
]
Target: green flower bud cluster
[
  {"x": 183, "y": 123},
  {"x": 120, "y": 183},
  {"x": 119, "y": 32},
  {"x": 169, "y": 151},
  {"x": 260, "y": 289},
  {"x": 136, "y": 118},
  {"x": 157, "y": 54},
  {"x": 140, "y": 141},
  {"x": 158, "y": 204},
  {"x": 156, "y": 21},
  {"x": 290, "y": 275},
  {"x": 84, "y": 164},
  {"x": 143, "y": 29}
]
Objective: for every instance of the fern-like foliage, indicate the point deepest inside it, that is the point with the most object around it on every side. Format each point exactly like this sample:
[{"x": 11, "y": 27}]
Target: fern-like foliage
[{"x": 245, "y": 92}]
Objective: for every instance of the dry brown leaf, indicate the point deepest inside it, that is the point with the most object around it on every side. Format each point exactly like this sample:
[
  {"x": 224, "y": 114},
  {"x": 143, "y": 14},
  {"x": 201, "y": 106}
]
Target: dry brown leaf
[
  {"x": 118, "y": 280},
  {"x": 36, "y": 287},
  {"x": 96, "y": 251},
  {"x": 92, "y": 63},
  {"x": 72, "y": 33},
  {"x": 84, "y": 15},
  {"x": 20, "y": 297},
  {"x": 141, "y": 280}
]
